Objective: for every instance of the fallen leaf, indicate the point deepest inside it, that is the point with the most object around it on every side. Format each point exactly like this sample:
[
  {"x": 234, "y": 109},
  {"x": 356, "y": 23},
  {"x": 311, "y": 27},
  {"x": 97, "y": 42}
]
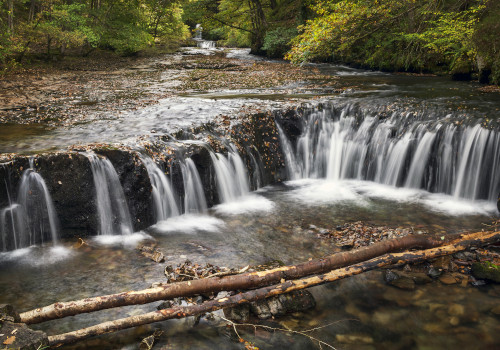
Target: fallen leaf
[{"x": 9, "y": 340}]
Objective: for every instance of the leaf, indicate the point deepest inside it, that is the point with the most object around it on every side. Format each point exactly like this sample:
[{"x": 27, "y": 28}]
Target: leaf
[{"x": 9, "y": 340}]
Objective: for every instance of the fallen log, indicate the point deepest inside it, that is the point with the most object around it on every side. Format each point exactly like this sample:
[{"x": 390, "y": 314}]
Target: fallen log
[
  {"x": 245, "y": 281},
  {"x": 265, "y": 292}
]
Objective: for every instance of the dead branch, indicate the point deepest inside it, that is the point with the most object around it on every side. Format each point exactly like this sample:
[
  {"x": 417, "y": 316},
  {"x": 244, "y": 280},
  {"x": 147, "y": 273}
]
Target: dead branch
[
  {"x": 474, "y": 240},
  {"x": 245, "y": 281}
]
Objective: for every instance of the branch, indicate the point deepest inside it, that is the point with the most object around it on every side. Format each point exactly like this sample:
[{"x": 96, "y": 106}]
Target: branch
[{"x": 266, "y": 292}]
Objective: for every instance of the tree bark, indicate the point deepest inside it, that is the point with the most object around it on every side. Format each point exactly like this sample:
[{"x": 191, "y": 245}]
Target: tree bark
[
  {"x": 234, "y": 282},
  {"x": 265, "y": 292}
]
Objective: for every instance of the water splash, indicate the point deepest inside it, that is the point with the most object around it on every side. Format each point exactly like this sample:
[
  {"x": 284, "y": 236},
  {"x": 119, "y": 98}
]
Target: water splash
[{"x": 112, "y": 208}]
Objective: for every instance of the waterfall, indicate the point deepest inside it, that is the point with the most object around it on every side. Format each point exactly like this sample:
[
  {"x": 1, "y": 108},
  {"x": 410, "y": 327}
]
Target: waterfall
[
  {"x": 165, "y": 204},
  {"x": 194, "y": 196},
  {"x": 231, "y": 173},
  {"x": 413, "y": 150},
  {"x": 112, "y": 208},
  {"x": 32, "y": 219}
]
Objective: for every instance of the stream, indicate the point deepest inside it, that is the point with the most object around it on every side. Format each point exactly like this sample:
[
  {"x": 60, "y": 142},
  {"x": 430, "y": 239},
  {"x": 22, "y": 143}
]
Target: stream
[{"x": 282, "y": 221}]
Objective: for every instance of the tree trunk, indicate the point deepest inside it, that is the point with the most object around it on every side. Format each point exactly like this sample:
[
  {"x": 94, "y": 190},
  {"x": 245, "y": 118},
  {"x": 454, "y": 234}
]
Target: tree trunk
[
  {"x": 235, "y": 282},
  {"x": 262, "y": 293}
]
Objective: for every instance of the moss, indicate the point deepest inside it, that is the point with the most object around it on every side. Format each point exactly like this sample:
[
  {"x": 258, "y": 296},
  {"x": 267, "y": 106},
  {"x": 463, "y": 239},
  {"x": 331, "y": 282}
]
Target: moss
[{"x": 486, "y": 270}]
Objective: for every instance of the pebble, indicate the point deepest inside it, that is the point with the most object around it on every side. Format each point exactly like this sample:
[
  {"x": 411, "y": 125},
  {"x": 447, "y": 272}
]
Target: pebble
[
  {"x": 448, "y": 279},
  {"x": 354, "y": 339}
]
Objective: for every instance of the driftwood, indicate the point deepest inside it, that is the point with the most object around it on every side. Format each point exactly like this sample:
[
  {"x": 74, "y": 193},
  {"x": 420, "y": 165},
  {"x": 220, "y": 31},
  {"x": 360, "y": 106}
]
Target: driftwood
[
  {"x": 479, "y": 239},
  {"x": 245, "y": 281}
]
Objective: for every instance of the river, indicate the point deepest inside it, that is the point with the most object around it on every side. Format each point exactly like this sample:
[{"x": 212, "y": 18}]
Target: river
[{"x": 281, "y": 221}]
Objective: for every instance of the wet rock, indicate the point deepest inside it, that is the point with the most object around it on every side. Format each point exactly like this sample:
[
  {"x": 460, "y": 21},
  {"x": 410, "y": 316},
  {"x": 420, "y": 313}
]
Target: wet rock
[
  {"x": 283, "y": 304},
  {"x": 456, "y": 310},
  {"x": 448, "y": 279},
  {"x": 496, "y": 310},
  {"x": 18, "y": 336},
  {"x": 486, "y": 270},
  {"x": 354, "y": 339},
  {"x": 398, "y": 280},
  {"x": 152, "y": 253},
  {"x": 240, "y": 313},
  {"x": 8, "y": 313},
  {"x": 434, "y": 272}
]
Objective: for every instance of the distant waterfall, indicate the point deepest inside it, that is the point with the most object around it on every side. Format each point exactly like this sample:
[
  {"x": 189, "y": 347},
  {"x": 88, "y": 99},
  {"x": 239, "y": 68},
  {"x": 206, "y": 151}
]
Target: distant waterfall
[
  {"x": 32, "y": 218},
  {"x": 194, "y": 196},
  {"x": 112, "y": 208},
  {"x": 232, "y": 176},
  {"x": 165, "y": 204},
  {"x": 404, "y": 149}
]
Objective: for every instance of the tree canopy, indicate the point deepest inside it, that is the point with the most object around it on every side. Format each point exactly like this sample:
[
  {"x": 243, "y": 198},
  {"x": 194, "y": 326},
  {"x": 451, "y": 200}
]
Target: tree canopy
[{"x": 453, "y": 36}]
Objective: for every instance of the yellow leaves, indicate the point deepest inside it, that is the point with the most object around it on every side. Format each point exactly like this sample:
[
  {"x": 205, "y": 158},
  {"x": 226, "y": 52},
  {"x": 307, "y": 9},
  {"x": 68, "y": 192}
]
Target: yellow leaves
[{"x": 9, "y": 340}]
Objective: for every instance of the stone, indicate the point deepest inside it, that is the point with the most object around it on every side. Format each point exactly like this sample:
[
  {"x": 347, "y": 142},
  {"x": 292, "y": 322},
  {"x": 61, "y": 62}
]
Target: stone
[
  {"x": 486, "y": 270},
  {"x": 448, "y": 279},
  {"x": 354, "y": 338},
  {"x": 399, "y": 280},
  {"x": 18, "y": 336},
  {"x": 283, "y": 304},
  {"x": 496, "y": 310},
  {"x": 433, "y": 272},
  {"x": 240, "y": 313},
  {"x": 456, "y": 310},
  {"x": 8, "y": 313}
]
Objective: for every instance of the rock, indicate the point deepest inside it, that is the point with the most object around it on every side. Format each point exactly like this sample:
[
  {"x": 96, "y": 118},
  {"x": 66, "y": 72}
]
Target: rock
[
  {"x": 354, "y": 339},
  {"x": 398, "y": 280},
  {"x": 486, "y": 270},
  {"x": 448, "y": 279},
  {"x": 240, "y": 313},
  {"x": 8, "y": 313},
  {"x": 18, "y": 336},
  {"x": 496, "y": 310},
  {"x": 456, "y": 310},
  {"x": 434, "y": 272},
  {"x": 283, "y": 304}
]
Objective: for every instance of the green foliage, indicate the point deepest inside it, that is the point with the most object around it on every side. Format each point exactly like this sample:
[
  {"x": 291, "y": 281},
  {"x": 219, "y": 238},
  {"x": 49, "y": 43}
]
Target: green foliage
[
  {"x": 400, "y": 35},
  {"x": 277, "y": 41}
]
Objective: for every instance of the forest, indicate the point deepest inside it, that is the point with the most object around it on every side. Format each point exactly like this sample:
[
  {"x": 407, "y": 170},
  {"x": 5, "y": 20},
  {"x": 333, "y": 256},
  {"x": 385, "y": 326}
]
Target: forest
[{"x": 449, "y": 36}]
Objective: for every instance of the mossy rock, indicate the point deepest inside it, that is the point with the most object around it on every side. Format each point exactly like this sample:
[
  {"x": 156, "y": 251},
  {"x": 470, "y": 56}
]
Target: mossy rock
[{"x": 486, "y": 270}]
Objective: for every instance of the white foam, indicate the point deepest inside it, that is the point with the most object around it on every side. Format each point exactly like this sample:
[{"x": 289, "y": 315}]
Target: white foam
[
  {"x": 246, "y": 204},
  {"x": 189, "y": 223},
  {"x": 324, "y": 191},
  {"x": 38, "y": 255},
  {"x": 15, "y": 254},
  {"x": 124, "y": 240},
  {"x": 453, "y": 206}
]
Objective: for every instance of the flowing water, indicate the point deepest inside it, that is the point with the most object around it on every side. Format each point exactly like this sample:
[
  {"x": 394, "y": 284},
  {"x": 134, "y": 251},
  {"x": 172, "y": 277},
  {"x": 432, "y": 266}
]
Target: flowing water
[
  {"x": 414, "y": 152},
  {"x": 31, "y": 219},
  {"x": 112, "y": 208}
]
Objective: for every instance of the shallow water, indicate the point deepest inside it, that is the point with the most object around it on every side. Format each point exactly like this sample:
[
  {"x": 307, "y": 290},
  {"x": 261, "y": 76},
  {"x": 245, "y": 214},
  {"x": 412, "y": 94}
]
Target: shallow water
[{"x": 271, "y": 224}]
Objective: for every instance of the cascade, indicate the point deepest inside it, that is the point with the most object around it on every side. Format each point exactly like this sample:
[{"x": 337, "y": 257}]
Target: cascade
[
  {"x": 32, "y": 218},
  {"x": 194, "y": 196},
  {"x": 413, "y": 150},
  {"x": 165, "y": 204},
  {"x": 231, "y": 173},
  {"x": 112, "y": 208}
]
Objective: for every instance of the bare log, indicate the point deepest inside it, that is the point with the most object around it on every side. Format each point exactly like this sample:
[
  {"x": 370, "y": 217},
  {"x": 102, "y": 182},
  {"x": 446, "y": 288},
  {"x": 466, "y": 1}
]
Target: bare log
[
  {"x": 235, "y": 282},
  {"x": 265, "y": 292}
]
